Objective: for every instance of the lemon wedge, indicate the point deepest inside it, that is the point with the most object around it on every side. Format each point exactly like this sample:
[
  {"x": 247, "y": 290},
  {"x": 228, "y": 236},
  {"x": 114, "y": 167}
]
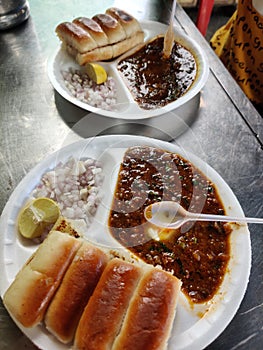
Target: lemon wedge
[
  {"x": 36, "y": 216},
  {"x": 96, "y": 73}
]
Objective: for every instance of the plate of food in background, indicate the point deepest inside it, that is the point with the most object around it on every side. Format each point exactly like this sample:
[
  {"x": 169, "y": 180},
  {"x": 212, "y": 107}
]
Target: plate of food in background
[{"x": 107, "y": 64}]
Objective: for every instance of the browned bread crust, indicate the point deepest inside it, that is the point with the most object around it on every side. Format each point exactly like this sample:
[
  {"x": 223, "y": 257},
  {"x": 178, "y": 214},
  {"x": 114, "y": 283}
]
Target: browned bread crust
[
  {"x": 28, "y": 296},
  {"x": 75, "y": 36},
  {"x": 111, "y": 27},
  {"x": 77, "y": 286},
  {"x": 128, "y": 22},
  {"x": 86, "y": 296},
  {"x": 94, "y": 29},
  {"x": 150, "y": 316},
  {"x": 102, "y": 317},
  {"x": 103, "y": 37}
]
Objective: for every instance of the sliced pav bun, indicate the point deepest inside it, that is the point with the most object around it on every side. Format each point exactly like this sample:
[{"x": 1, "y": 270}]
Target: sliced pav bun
[
  {"x": 27, "y": 298},
  {"x": 76, "y": 288},
  {"x": 100, "y": 38}
]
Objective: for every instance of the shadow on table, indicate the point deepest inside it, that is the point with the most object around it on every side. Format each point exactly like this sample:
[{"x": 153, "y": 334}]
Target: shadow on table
[{"x": 166, "y": 127}]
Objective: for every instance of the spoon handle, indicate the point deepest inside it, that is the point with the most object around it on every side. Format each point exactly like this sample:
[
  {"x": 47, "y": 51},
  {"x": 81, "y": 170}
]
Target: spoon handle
[
  {"x": 222, "y": 218},
  {"x": 169, "y": 35}
]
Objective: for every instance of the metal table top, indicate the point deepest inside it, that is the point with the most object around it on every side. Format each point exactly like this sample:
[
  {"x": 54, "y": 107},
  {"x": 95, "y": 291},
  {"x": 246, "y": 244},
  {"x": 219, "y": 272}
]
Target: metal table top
[{"x": 227, "y": 133}]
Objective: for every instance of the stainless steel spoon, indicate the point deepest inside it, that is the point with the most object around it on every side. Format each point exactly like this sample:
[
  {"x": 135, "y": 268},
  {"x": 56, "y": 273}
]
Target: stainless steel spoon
[{"x": 172, "y": 215}]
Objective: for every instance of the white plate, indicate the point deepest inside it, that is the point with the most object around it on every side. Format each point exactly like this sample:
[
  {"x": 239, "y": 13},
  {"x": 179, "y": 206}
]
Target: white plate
[
  {"x": 126, "y": 108},
  {"x": 190, "y": 330}
]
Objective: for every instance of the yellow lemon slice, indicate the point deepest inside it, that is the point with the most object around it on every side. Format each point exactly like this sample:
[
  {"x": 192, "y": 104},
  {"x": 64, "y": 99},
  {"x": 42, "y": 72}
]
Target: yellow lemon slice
[
  {"x": 96, "y": 73},
  {"x": 36, "y": 216}
]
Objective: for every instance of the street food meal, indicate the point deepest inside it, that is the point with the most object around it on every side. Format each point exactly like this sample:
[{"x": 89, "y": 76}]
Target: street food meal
[
  {"x": 199, "y": 253},
  {"x": 88, "y": 295},
  {"x": 153, "y": 80},
  {"x": 71, "y": 288},
  {"x": 103, "y": 37},
  {"x": 199, "y": 257}
]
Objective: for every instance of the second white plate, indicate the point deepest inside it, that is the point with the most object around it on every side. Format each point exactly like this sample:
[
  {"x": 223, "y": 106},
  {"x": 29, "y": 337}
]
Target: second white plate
[{"x": 126, "y": 107}]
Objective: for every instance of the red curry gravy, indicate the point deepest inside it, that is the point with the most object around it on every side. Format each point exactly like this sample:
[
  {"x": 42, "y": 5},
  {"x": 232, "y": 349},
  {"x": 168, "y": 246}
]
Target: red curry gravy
[
  {"x": 197, "y": 254},
  {"x": 155, "y": 81}
]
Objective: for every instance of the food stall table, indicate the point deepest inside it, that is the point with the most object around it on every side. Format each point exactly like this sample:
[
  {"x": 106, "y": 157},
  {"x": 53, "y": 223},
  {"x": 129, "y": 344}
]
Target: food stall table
[{"x": 227, "y": 133}]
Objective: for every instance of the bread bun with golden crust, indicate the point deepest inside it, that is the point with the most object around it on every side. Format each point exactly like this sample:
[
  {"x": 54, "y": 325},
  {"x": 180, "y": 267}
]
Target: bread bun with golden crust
[
  {"x": 76, "y": 36},
  {"x": 128, "y": 22},
  {"x": 111, "y": 27},
  {"x": 150, "y": 316},
  {"x": 94, "y": 29},
  {"x": 76, "y": 288},
  {"x": 28, "y": 297},
  {"x": 93, "y": 297},
  {"x": 101, "y": 38},
  {"x": 102, "y": 318}
]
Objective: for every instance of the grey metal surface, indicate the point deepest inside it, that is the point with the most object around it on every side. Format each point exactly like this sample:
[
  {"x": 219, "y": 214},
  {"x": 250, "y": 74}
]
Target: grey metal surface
[
  {"x": 13, "y": 12},
  {"x": 226, "y": 132}
]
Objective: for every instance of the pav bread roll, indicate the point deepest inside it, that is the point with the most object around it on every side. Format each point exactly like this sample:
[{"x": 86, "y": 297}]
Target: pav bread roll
[
  {"x": 125, "y": 45},
  {"x": 94, "y": 29},
  {"x": 99, "y": 54},
  {"x": 75, "y": 36},
  {"x": 27, "y": 298},
  {"x": 130, "y": 25},
  {"x": 103, "y": 315},
  {"x": 111, "y": 27},
  {"x": 101, "y": 38},
  {"x": 103, "y": 53},
  {"x": 123, "y": 34},
  {"x": 26, "y": 307},
  {"x": 150, "y": 316},
  {"x": 77, "y": 286}
]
